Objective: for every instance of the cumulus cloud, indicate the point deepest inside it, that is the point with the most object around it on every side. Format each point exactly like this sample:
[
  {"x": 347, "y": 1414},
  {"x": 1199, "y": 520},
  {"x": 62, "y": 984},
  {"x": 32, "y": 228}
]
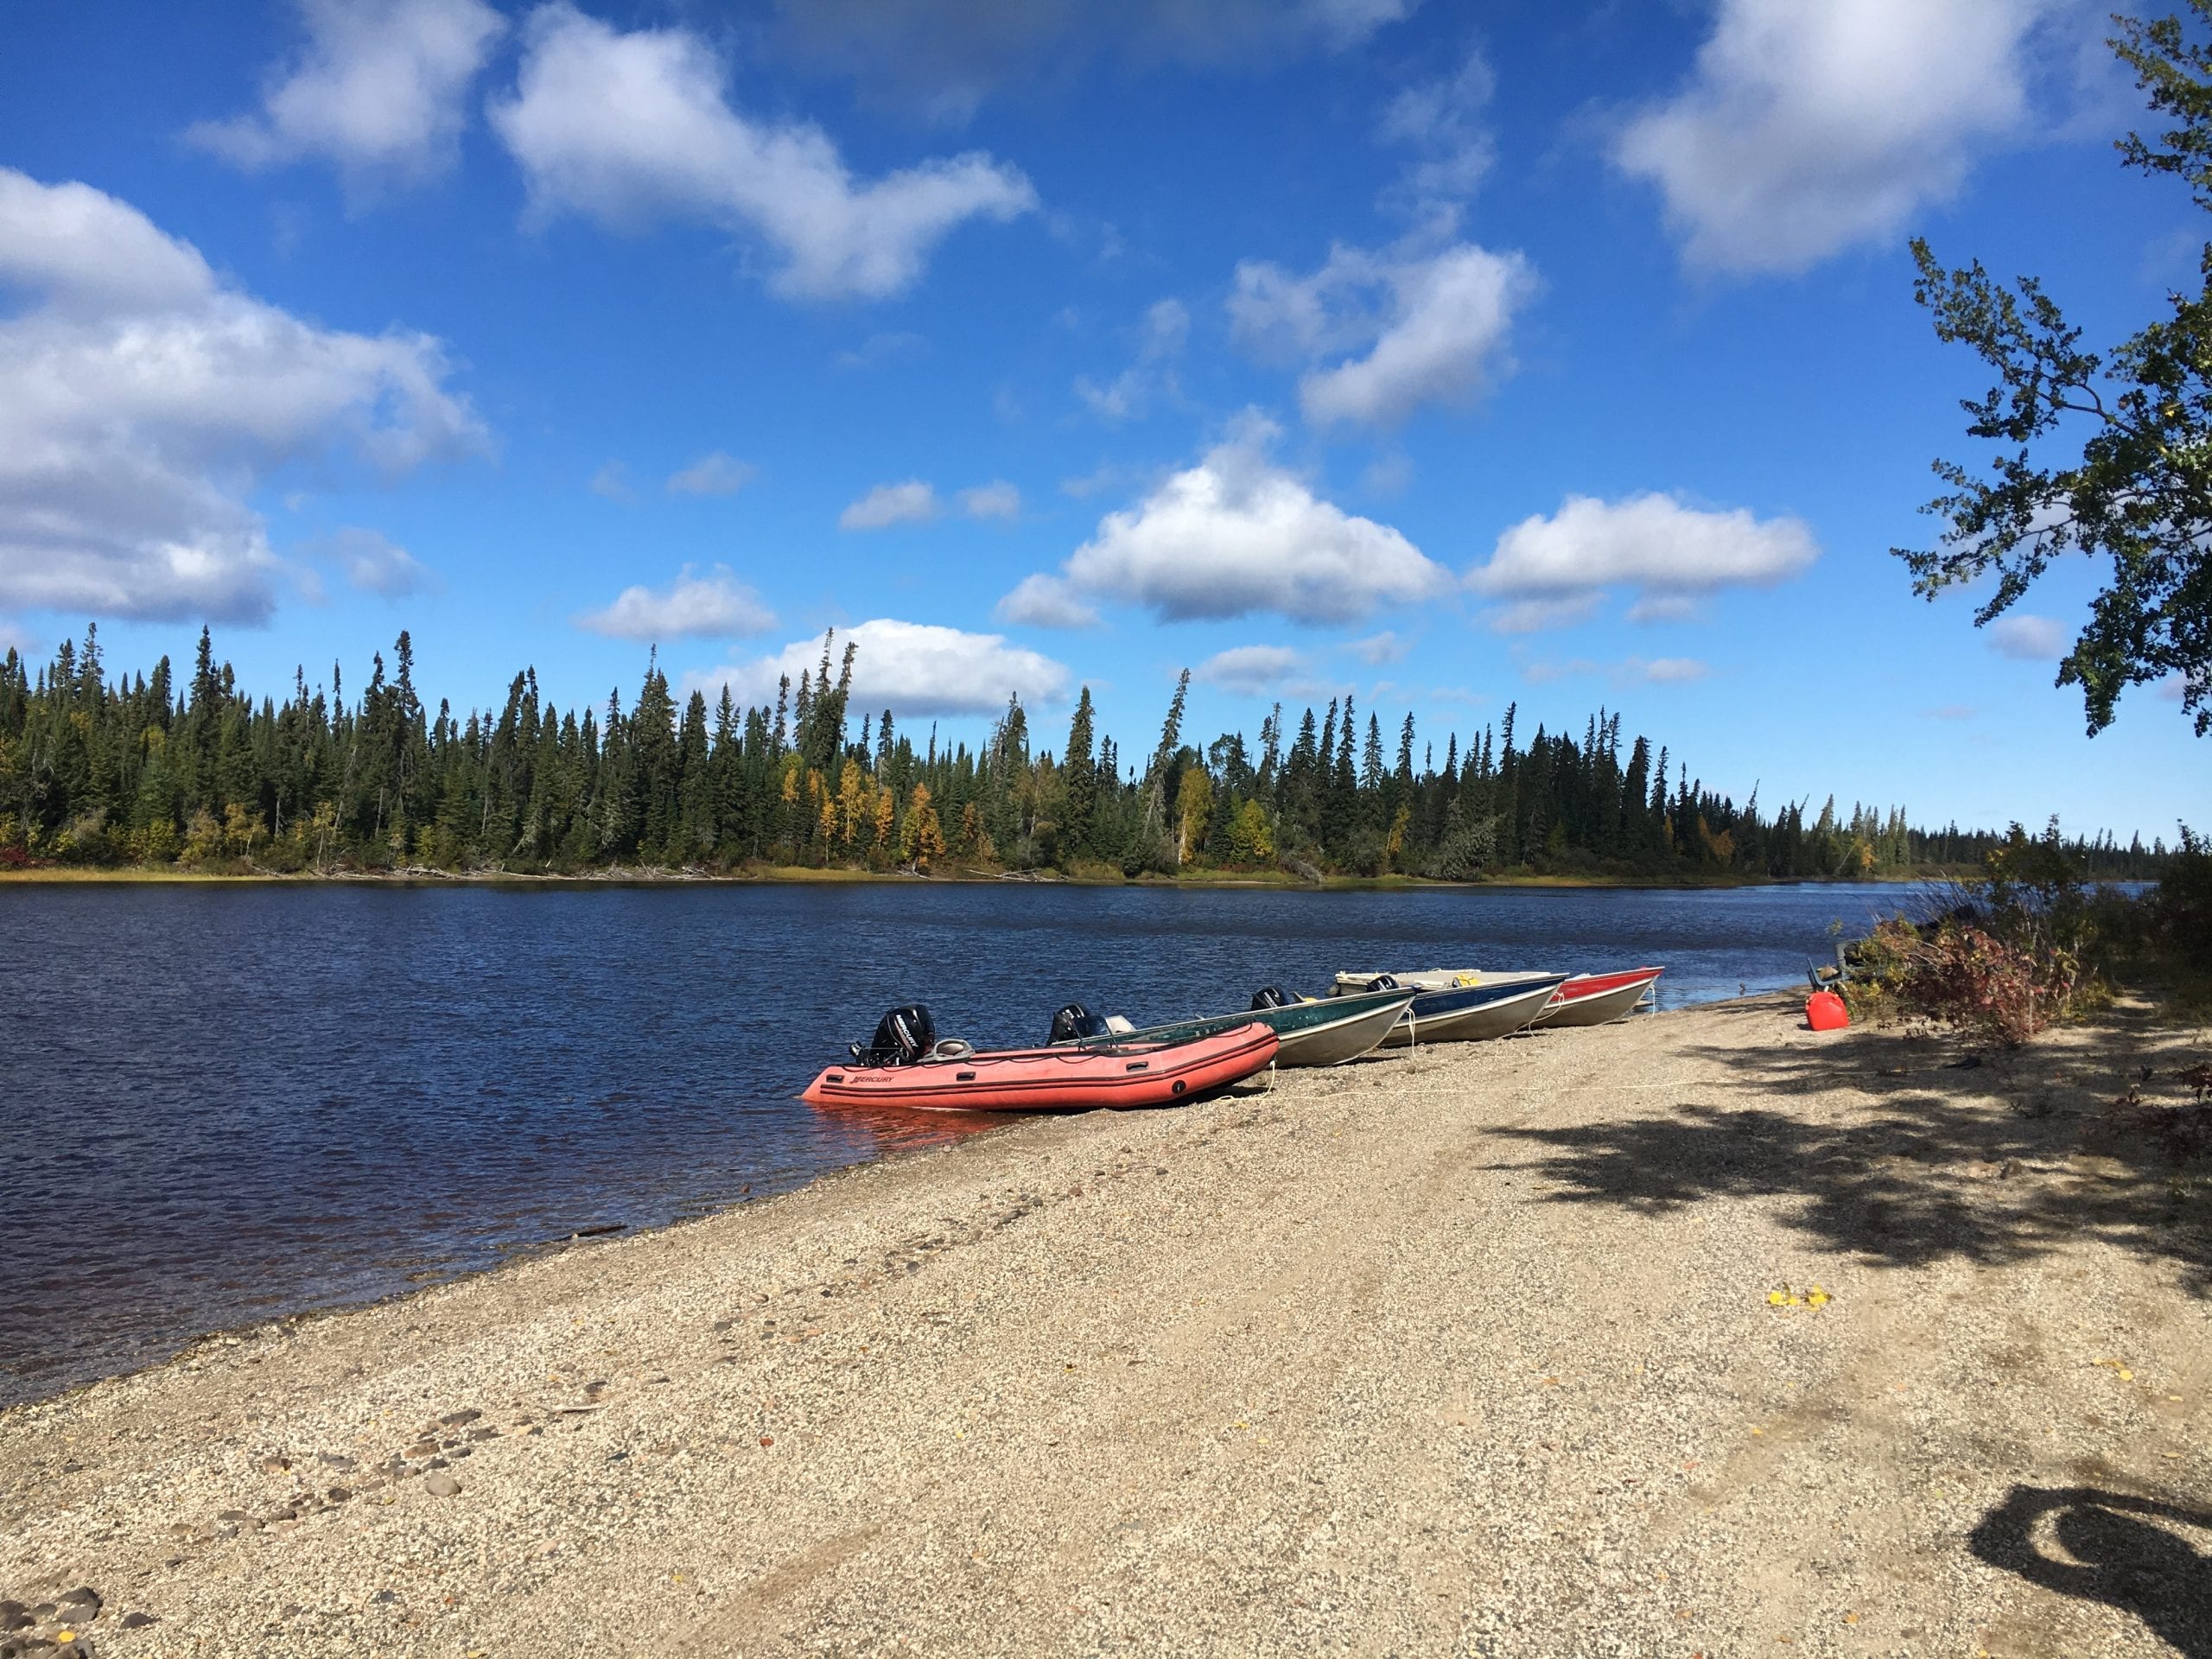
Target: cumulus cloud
[
  {"x": 375, "y": 564},
  {"x": 1165, "y": 330},
  {"x": 713, "y": 606},
  {"x": 2029, "y": 638},
  {"x": 997, "y": 499},
  {"x": 914, "y": 502},
  {"x": 377, "y": 89},
  {"x": 1237, "y": 535},
  {"x": 630, "y": 127},
  {"x": 1635, "y": 671},
  {"x": 1803, "y": 130},
  {"x": 1555, "y": 571},
  {"x": 1385, "y": 332},
  {"x": 1043, "y": 601},
  {"x": 911, "y": 668},
  {"x": 1454, "y": 149},
  {"x": 1250, "y": 669},
  {"x": 142, "y": 400},
  {"x": 947, "y": 59},
  {"x": 1540, "y": 615},
  {"x": 1379, "y": 648},
  {"x": 714, "y": 474}
]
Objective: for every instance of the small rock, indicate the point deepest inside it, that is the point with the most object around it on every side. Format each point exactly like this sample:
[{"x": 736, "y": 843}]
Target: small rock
[
  {"x": 438, "y": 1483},
  {"x": 16, "y": 1622},
  {"x": 483, "y": 1433},
  {"x": 339, "y": 1493},
  {"x": 82, "y": 1603},
  {"x": 423, "y": 1449},
  {"x": 138, "y": 1621},
  {"x": 275, "y": 1466},
  {"x": 456, "y": 1419},
  {"x": 339, "y": 1461}
]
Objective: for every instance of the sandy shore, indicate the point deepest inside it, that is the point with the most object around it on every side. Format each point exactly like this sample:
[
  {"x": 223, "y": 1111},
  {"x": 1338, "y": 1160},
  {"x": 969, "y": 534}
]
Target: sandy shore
[{"x": 1469, "y": 1355}]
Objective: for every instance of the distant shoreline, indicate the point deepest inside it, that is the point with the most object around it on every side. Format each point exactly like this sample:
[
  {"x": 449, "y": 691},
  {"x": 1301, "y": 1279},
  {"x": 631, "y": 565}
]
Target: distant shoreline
[{"x": 654, "y": 876}]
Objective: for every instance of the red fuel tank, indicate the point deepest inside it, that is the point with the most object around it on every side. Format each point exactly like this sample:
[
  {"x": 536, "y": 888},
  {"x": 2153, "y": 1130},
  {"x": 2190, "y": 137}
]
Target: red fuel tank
[{"x": 1824, "y": 1011}]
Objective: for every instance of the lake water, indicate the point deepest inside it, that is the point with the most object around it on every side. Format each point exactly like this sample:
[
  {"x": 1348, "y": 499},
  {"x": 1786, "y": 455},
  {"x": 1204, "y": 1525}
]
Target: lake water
[{"x": 223, "y": 1104}]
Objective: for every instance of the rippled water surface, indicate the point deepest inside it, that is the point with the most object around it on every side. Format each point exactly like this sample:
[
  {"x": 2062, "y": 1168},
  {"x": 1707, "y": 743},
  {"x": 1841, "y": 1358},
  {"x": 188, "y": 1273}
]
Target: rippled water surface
[{"x": 221, "y": 1104}]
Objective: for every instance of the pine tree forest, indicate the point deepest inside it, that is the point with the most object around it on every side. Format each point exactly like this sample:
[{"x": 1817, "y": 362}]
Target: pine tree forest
[{"x": 145, "y": 771}]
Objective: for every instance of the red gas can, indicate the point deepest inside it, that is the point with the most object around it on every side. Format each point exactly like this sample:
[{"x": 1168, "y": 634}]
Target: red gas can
[{"x": 1824, "y": 1011}]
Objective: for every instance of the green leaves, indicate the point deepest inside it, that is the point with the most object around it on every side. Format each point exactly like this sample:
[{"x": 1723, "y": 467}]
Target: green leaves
[{"x": 2139, "y": 494}]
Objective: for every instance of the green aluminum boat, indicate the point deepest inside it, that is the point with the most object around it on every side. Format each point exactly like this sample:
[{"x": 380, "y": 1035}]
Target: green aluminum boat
[{"x": 1327, "y": 1032}]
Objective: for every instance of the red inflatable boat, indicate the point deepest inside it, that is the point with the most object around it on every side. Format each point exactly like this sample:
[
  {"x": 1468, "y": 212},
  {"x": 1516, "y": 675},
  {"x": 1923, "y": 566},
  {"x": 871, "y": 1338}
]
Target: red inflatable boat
[{"x": 1052, "y": 1079}]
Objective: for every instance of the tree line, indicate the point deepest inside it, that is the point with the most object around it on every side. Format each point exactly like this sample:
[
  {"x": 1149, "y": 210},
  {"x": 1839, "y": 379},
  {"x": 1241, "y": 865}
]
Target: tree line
[{"x": 144, "y": 770}]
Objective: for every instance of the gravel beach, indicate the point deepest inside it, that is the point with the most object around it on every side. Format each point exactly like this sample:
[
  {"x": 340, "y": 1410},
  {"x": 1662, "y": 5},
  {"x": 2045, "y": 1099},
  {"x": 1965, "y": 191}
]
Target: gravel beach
[{"x": 1511, "y": 1349}]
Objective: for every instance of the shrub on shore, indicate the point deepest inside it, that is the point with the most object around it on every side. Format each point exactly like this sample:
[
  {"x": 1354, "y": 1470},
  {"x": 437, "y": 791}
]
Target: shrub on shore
[{"x": 2032, "y": 943}]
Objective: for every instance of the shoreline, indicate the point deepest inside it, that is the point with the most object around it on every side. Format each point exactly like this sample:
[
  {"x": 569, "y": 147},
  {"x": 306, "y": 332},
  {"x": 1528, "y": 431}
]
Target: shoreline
[
  {"x": 780, "y": 875},
  {"x": 1490, "y": 1348}
]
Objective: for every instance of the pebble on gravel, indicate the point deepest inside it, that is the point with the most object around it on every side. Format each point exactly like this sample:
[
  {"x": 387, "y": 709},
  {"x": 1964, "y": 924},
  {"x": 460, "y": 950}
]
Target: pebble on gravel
[{"x": 439, "y": 1483}]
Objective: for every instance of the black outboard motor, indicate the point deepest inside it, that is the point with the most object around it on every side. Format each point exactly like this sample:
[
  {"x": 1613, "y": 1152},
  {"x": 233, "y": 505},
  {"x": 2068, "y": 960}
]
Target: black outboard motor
[
  {"x": 1075, "y": 1022},
  {"x": 1272, "y": 996},
  {"x": 902, "y": 1037},
  {"x": 1382, "y": 983}
]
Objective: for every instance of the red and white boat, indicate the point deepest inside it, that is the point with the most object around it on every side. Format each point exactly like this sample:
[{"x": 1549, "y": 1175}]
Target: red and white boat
[
  {"x": 1597, "y": 998},
  {"x": 952, "y": 1076}
]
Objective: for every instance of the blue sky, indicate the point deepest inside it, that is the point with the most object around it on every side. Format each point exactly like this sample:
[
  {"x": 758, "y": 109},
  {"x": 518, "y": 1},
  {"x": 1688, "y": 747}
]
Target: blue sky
[{"x": 1455, "y": 356}]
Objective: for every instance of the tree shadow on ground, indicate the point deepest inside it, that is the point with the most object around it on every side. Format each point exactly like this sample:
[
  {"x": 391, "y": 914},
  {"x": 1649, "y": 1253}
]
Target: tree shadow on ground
[
  {"x": 2120, "y": 1556},
  {"x": 1919, "y": 1161}
]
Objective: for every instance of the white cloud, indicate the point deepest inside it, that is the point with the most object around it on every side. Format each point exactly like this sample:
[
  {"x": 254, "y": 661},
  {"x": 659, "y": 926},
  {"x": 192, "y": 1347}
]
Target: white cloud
[
  {"x": 1250, "y": 669},
  {"x": 1043, "y": 601},
  {"x": 894, "y": 347},
  {"x": 1805, "y": 129},
  {"x": 714, "y": 606},
  {"x": 948, "y": 59},
  {"x": 627, "y": 127},
  {"x": 377, "y": 89},
  {"x": 1665, "y": 607},
  {"x": 911, "y": 668},
  {"x": 1538, "y": 615},
  {"x": 1420, "y": 327},
  {"x": 914, "y": 502},
  {"x": 1105, "y": 476},
  {"x": 1454, "y": 150},
  {"x": 1160, "y": 341},
  {"x": 612, "y": 481},
  {"x": 1666, "y": 670},
  {"x": 1237, "y": 535},
  {"x": 2173, "y": 688},
  {"x": 1379, "y": 648},
  {"x": 375, "y": 564},
  {"x": 714, "y": 474},
  {"x": 1558, "y": 568},
  {"x": 1661, "y": 670},
  {"x": 997, "y": 499},
  {"x": 142, "y": 400},
  {"x": 2029, "y": 638}
]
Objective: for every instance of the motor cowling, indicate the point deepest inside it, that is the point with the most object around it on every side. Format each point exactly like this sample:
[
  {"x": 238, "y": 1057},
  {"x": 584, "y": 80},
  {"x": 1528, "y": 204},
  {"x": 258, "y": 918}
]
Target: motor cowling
[
  {"x": 902, "y": 1037},
  {"x": 1382, "y": 983},
  {"x": 1272, "y": 996},
  {"x": 1075, "y": 1022}
]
